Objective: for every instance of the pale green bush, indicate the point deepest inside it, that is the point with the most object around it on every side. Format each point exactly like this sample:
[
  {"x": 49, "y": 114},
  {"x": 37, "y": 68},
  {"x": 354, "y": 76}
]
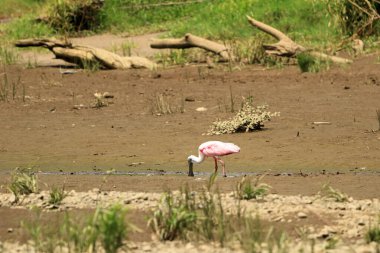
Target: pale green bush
[{"x": 249, "y": 118}]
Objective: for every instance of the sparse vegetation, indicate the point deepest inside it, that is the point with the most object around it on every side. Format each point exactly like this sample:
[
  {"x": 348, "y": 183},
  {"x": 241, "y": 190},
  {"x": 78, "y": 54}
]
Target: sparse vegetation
[
  {"x": 373, "y": 233},
  {"x": 254, "y": 237},
  {"x": 177, "y": 57},
  {"x": 204, "y": 217},
  {"x": 249, "y": 118},
  {"x": 125, "y": 48},
  {"x": 10, "y": 87},
  {"x": 44, "y": 238},
  {"x": 378, "y": 118},
  {"x": 112, "y": 228},
  {"x": 356, "y": 17},
  {"x": 246, "y": 190},
  {"x": 90, "y": 66},
  {"x": 175, "y": 216},
  {"x": 23, "y": 182},
  {"x": 106, "y": 227},
  {"x": 71, "y": 16},
  {"x": 57, "y": 195},
  {"x": 7, "y": 55},
  {"x": 329, "y": 192},
  {"x": 162, "y": 104},
  {"x": 185, "y": 215}
]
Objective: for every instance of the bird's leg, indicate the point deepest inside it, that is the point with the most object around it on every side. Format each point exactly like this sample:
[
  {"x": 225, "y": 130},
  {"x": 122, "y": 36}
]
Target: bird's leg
[
  {"x": 223, "y": 167},
  {"x": 216, "y": 164}
]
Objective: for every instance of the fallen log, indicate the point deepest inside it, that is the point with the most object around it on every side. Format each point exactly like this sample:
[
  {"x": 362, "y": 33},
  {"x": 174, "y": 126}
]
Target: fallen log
[
  {"x": 80, "y": 54},
  {"x": 189, "y": 41},
  {"x": 286, "y": 46}
]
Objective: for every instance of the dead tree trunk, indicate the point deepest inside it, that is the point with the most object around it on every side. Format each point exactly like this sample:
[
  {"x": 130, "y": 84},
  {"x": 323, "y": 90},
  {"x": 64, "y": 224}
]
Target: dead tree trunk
[
  {"x": 286, "y": 46},
  {"x": 79, "y": 54},
  {"x": 190, "y": 41}
]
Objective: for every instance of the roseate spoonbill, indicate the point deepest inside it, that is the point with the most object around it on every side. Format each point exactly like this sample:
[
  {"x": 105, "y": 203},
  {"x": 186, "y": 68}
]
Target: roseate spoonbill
[{"x": 213, "y": 149}]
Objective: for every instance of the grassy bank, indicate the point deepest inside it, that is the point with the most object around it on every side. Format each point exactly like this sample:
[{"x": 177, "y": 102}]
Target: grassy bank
[{"x": 303, "y": 20}]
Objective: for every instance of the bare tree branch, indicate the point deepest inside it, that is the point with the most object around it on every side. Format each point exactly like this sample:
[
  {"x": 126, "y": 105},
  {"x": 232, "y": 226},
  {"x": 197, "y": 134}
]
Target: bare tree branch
[
  {"x": 286, "y": 46},
  {"x": 190, "y": 41}
]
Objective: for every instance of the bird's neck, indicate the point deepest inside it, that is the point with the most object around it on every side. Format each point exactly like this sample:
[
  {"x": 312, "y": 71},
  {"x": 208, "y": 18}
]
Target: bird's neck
[{"x": 197, "y": 159}]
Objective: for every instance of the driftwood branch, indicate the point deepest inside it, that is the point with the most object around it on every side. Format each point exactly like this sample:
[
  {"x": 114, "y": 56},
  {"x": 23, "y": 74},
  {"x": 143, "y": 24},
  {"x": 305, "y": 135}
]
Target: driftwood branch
[
  {"x": 190, "y": 41},
  {"x": 286, "y": 46},
  {"x": 80, "y": 54}
]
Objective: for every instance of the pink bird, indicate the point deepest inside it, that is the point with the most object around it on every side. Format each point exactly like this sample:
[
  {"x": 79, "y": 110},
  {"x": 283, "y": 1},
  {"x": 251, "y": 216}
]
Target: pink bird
[{"x": 213, "y": 149}]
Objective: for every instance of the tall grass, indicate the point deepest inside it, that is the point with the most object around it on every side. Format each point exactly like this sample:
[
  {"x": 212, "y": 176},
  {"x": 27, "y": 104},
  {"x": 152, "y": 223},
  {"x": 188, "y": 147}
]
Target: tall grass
[{"x": 303, "y": 20}]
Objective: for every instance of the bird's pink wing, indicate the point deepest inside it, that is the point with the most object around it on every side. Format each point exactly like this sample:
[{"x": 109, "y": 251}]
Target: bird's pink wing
[{"x": 219, "y": 149}]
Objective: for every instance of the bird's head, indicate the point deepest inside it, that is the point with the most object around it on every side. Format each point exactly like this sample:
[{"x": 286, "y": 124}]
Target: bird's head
[{"x": 190, "y": 162}]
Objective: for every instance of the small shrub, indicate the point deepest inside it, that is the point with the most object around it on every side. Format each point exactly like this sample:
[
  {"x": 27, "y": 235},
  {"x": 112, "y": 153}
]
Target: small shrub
[
  {"x": 356, "y": 17},
  {"x": 245, "y": 189},
  {"x": 70, "y": 16},
  {"x": 249, "y": 118},
  {"x": 23, "y": 182},
  {"x": 99, "y": 100},
  {"x": 334, "y": 194},
  {"x": 309, "y": 63},
  {"x": 175, "y": 216},
  {"x": 57, "y": 195}
]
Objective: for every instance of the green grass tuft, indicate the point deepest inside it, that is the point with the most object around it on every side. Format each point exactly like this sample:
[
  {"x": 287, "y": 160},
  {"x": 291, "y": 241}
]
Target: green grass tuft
[
  {"x": 246, "y": 190},
  {"x": 112, "y": 228},
  {"x": 57, "y": 195},
  {"x": 175, "y": 216},
  {"x": 23, "y": 182},
  {"x": 309, "y": 63},
  {"x": 329, "y": 192}
]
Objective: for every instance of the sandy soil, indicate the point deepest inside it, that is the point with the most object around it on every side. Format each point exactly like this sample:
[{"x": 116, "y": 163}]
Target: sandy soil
[{"x": 49, "y": 133}]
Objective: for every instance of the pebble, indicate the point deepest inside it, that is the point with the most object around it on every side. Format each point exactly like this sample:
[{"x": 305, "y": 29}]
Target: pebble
[
  {"x": 301, "y": 215},
  {"x": 201, "y": 109}
]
